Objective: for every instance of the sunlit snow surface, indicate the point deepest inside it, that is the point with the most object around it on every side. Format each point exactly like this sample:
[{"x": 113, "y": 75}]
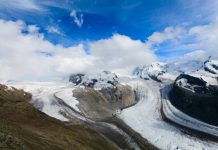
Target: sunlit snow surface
[
  {"x": 145, "y": 118},
  {"x": 66, "y": 94},
  {"x": 43, "y": 96}
]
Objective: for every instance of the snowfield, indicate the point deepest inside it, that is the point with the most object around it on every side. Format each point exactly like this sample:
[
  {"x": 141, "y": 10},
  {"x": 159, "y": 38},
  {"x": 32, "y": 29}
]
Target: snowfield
[
  {"x": 145, "y": 118},
  {"x": 56, "y": 100},
  {"x": 44, "y": 98},
  {"x": 67, "y": 95}
]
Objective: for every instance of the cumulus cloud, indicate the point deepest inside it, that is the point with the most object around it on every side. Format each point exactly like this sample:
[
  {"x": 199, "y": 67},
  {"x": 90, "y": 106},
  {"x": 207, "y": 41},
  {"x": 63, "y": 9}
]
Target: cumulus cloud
[
  {"x": 21, "y": 54},
  {"x": 169, "y": 33},
  {"x": 30, "y": 56},
  {"x": 186, "y": 39},
  {"x": 52, "y": 29},
  {"x": 78, "y": 19},
  {"x": 206, "y": 37},
  {"x": 190, "y": 37},
  {"x": 192, "y": 56},
  {"x": 120, "y": 53}
]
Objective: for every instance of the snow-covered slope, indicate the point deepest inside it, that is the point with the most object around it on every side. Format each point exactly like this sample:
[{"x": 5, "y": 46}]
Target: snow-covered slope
[
  {"x": 155, "y": 71},
  {"x": 196, "y": 83},
  {"x": 95, "y": 80},
  {"x": 145, "y": 118},
  {"x": 161, "y": 72},
  {"x": 211, "y": 66},
  {"x": 196, "y": 94},
  {"x": 66, "y": 95},
  {"x": 45, "y": 96},
  {"x": 202, "y": 80}
]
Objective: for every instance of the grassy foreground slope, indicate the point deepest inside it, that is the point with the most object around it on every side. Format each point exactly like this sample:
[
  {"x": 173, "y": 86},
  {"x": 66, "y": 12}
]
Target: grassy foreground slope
[{"x": 24, "y": 127}]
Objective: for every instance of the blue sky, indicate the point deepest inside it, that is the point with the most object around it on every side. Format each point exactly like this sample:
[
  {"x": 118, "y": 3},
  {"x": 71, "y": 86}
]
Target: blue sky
[
  {"x": 102, "y": 18},
  {"x": 107, "y": 34}
]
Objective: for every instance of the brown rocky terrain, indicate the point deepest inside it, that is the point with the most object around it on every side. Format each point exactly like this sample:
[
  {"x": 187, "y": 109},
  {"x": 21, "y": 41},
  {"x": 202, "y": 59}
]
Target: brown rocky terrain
[
  {"x": 22, "y": 127},
  {"x": 101, "y": 104}
]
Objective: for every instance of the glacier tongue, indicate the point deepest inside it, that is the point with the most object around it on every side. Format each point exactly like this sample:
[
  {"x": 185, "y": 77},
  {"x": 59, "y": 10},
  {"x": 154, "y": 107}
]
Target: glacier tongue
[{"x": 145, "y": 118}]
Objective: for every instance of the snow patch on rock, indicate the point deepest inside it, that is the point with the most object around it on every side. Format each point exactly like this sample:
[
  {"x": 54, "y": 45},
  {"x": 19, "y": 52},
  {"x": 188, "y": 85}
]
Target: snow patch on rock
[{"x": 95, "y": 80}]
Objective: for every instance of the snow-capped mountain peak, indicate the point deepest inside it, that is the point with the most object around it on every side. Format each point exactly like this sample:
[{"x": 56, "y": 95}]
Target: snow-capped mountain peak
[
  {"x": 156, "y": 71},
  {"x": 95, "y": 80}
]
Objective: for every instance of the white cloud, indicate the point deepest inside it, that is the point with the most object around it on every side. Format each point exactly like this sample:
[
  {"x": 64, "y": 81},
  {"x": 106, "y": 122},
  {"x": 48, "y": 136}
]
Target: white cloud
[
  {"x": 33, "y": 29},
  {"x": 52, "y": 29},
  {"x": 192, "y": 56},
  {"x": 190, "y": 36},
  {"x": 20, "y": 4},
  {"x": 169, "y": 33},
  {"x": 206, "y": 37},
  {"x": 185, "y": 39},
  {"x": 21, "y": 57},
  {"x": 78, "y": 20},
  {"x": 24, "y": 56},
  {"x": 120, "y": 53}
]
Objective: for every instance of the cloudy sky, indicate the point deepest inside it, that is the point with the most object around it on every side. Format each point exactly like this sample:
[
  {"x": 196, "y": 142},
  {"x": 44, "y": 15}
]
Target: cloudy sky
[{"x": 47, "y": 39}]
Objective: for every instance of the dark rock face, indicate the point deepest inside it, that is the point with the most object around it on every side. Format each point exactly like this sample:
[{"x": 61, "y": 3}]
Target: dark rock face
[
  {"x": 198, "y": 85},
  {"x": 155, "y": 78},
  {"x": 95, "y": 80},
  {"x": 215, "y": 66},
  {"x": 103, "y": 103},
  {"x": 76, "y": 78},
  {"x": 201, "y": 102},
  {"x": 154, "y": 72},
  {"x": 112, "y": 94},
  {"x": 206, "y": 69},
  {"x": 90, "y": 84},
  {"x": 211, "y": 66}
]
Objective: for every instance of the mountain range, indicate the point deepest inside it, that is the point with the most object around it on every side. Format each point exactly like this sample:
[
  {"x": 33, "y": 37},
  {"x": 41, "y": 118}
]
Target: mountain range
[{"x": 103, "y": 110}]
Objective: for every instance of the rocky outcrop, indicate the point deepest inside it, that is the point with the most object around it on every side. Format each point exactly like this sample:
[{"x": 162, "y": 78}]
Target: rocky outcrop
[
  {"x": 76, "y": 78},
  {"x": 103, "y": 103},
  {"x": 123, "y": 94},
  {"x": 196, "y": 97},
  {"x": 95, "y": 80},
  {"x": 194, "y": 84},
  {"x": 24, "y": 127},
  {"x": 211, "y": 66},
  {"x": 155, "y": 71}
]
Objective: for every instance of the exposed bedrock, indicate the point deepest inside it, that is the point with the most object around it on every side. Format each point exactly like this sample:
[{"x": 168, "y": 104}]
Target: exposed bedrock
[
  {"x": 101, "y": 104},
  {"x": 95, "y": 80},
  {"x": 196, "y": 98}
]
